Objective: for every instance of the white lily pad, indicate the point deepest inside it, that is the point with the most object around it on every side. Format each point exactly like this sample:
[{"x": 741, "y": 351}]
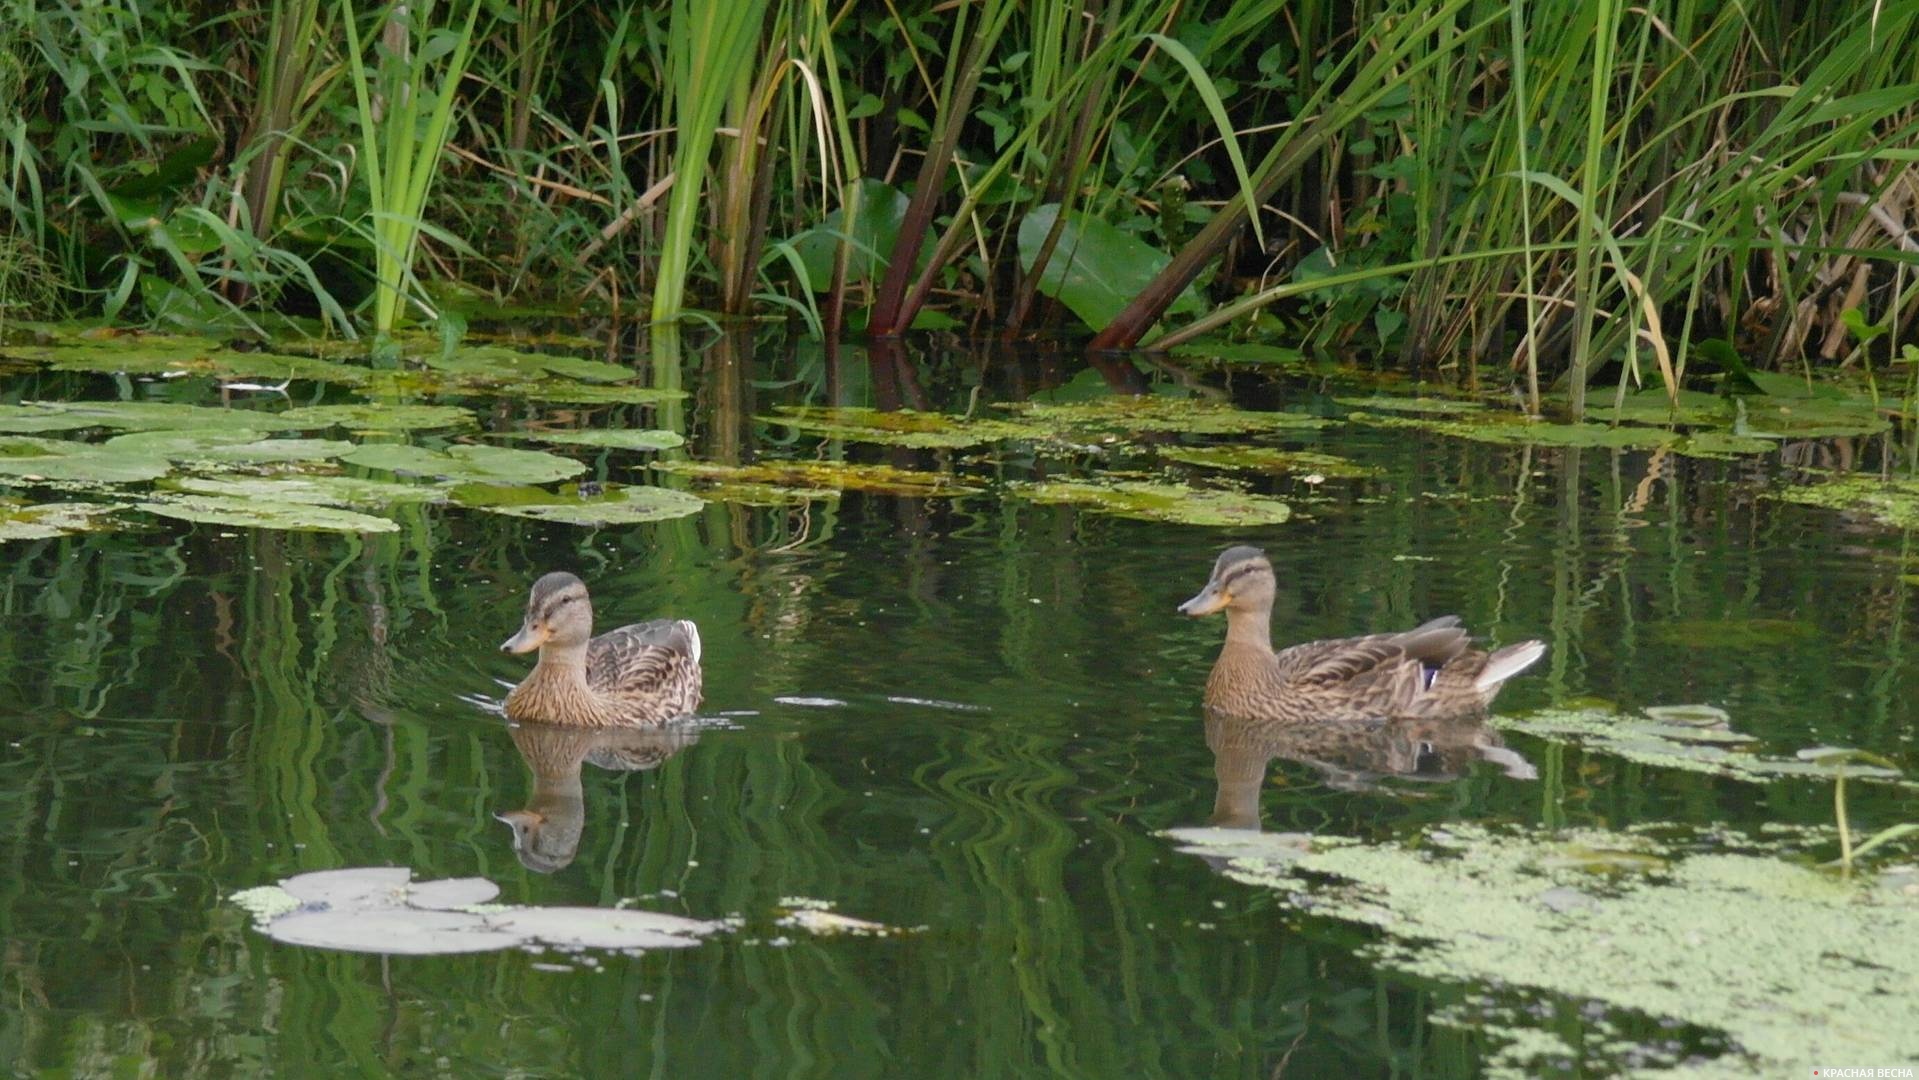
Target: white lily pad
[
  {"x": 260, "y": 514},
  {"x": 602, "y": 928},
  {"x": 401, "y": 931},
  {"x": 377, "y": 417},
  {"x": 467, "y": 462},
  {"x": 352, "y": 885},
  {"x": 449, "y": 893}
]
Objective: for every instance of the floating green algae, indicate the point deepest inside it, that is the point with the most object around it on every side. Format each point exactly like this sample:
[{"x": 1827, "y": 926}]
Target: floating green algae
[
  {"x": 575, "y": 392},
  {"x": 1269, "y": 459},
  {"x": 1418, "y": 405},
  {"x": 19, "y": 521},
  {"x": 609, "y": 438},
  {"x": 902, "y": 427},
  {"x": 1667, "y": 741},
  {"x": 1241, "y": 352},
  {"x": 467, "y": 463},
  {"x": 1175, "y": 503},
  {"x": 257, "y": 513},
  {"x": 1511, "y": 429},
  {"x": 1693, "y": 408},
  {"x": 1791, "y": 965},
  {"x": 787, "y": 481},
  {"x": 606, "y": 504},
  {"x": 1890, "y": 502},
  {"x": 1161, "y": 413}
]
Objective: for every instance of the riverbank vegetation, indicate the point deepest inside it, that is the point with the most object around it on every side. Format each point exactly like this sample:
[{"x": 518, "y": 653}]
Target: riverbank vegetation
[{"x": 1534, "y": 190}]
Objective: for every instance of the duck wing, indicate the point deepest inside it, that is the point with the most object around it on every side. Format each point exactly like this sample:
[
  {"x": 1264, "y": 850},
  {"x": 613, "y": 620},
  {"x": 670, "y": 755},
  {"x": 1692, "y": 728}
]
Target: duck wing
[
  {"x": 1385, "y": 672},
  {"x": 642, "y": 657}
]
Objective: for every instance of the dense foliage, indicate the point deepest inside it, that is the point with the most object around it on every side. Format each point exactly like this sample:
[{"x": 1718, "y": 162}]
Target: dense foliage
[{"x": 1494, "y": 181}]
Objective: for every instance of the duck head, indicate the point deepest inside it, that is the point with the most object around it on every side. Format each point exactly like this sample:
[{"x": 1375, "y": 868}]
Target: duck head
[
  {"x": 557, "y": 613},
  {"x": 1242, "y": 581}
]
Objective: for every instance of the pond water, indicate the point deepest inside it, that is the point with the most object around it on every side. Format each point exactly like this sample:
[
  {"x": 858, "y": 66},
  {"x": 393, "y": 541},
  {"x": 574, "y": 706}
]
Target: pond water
[{"x": 967, "y": 717}]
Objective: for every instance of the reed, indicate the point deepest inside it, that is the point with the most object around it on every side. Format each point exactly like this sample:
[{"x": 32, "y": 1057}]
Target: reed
[{"x": 404, "y": 107}]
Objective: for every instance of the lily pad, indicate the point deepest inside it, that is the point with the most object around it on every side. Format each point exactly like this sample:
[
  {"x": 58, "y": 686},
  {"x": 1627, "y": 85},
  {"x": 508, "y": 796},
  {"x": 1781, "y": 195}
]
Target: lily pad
[
  {"x": 381, "y": 910},
  {"x": 1176, "y": 503},
  {"x": 377, "y": 417},
  {"x": 787, "y": 480},
  {"x": 135, "y": 416},
  {"x": 467, "y": 463},
  {"x": 1890, "y": 502},
  {"x": 902, "y": 427},
  {"x": 137, "y": 353},
  {"x": 497, "y": 363},
  {"x": 1268, "y": 459},
  {"x": 55, "y": 459},
  {"x": 1694, "y": 408},
  {"x": 611, "y": 504},
  {"x": 48, "y": 520},
  {"x": 602, "y": 928},
  {"x": 319, "y": 489},
  {"x": 260, "y": 514},
  {"x": 1159, "y": 412},
  {"x": 614, "y": 438},
  {"x": 225, "y": 446},
  {"x": 574, "y": 392}
]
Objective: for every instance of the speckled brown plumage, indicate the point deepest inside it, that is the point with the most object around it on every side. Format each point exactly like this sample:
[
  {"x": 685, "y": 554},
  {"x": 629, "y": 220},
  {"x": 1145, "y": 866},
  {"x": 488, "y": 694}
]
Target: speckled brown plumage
[
  {"x": 1424, "y": 673},
  {"x": 639, "y": 675}
]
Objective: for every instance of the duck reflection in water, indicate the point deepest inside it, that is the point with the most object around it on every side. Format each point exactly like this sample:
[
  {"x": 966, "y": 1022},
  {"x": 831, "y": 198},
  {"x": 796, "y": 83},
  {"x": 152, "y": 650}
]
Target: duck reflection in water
[
  {"x": 1351, "y": 756},
  {"x": 546, "y": 833}
]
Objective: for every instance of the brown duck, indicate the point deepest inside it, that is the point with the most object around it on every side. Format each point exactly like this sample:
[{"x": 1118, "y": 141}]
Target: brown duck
[
  {"x": 636, "y": 676},
  {"x": 1426, "y": 672}
]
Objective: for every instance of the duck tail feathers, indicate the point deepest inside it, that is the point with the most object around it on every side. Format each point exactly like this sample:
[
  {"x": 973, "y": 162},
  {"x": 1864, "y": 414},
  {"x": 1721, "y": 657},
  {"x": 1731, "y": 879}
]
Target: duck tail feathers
[{"x": 1507, "y": 662}]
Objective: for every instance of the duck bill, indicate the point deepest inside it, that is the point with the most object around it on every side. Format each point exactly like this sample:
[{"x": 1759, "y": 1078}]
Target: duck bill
[
  {"x": 525, "y": 641},
  {"x": 1210, "y": 599}
]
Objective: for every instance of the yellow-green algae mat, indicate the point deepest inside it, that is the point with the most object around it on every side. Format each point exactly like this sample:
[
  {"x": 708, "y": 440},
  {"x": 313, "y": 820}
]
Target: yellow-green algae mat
[{"x": 1795, "y": 967}]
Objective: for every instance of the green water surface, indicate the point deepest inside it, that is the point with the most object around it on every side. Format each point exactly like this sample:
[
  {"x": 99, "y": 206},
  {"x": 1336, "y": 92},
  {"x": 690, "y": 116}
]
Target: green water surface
[{"x": 965, "y": 717}]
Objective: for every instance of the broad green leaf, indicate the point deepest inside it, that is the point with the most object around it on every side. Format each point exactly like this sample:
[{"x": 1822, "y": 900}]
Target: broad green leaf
[
  {"x": 1095, "y": 269},
  {"x": 1160, "y": 413},
  {"x": 785, "y": 481},
  {"x": 1268, "y": 459},
  {"x": 902, "y": 427},
  {"x": 875, "y": 230},
  {"x": 134, "y": 416}
]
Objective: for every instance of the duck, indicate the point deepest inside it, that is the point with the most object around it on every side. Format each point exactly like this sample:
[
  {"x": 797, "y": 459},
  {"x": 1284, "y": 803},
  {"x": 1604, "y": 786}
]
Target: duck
[
  {"x": 547, "y": 830},
  {"x": 1428, "y": 672},
  {"x": 637, "y": 676}
]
